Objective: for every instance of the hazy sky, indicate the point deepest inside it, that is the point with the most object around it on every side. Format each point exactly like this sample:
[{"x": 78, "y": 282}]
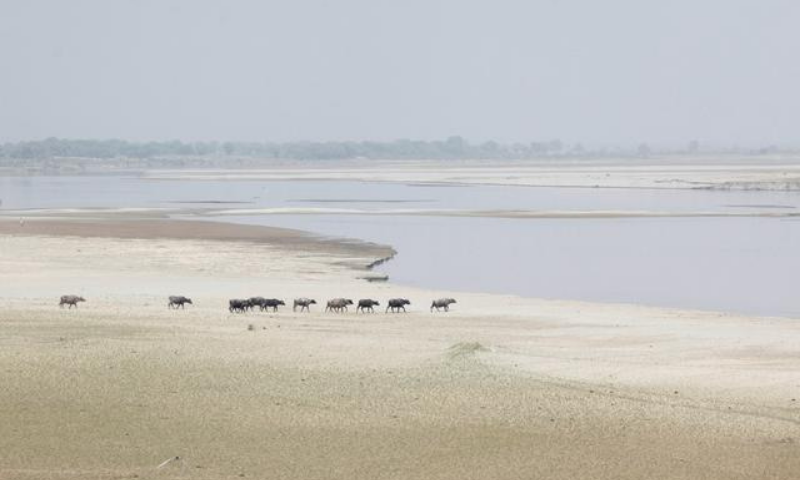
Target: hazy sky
[{"x": 598, "y": 72}]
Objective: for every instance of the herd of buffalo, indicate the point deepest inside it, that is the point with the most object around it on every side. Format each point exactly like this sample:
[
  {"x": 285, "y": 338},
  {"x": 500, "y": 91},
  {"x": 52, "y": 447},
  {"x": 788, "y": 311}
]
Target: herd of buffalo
[{"x": 337, "y": 305}]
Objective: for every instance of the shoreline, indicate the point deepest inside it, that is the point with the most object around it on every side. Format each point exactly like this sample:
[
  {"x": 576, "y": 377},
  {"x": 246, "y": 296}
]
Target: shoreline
[
  {"x": 361, "y": 256},
  {"x": 199, "y": 230}
]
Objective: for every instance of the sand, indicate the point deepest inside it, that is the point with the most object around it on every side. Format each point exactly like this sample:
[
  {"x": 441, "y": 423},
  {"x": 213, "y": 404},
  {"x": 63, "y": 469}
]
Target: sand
[
  {"x": 125, "y": 227},
  {"x": 721, "y": 172},
  {"x": 500, "y": 387}
]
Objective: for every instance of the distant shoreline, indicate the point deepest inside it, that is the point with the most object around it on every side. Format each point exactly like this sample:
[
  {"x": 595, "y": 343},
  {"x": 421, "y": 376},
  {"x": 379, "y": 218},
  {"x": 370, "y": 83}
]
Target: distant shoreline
[
  {"x": 140, "y": 214},
  {"x": 686, "y": 171},
  {"x": 670, "y": 174}
]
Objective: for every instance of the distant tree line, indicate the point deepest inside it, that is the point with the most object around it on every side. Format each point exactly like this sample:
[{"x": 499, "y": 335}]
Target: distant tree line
[
  {"x": 54, "y": 149},
  {"x": 451, "y": 148}
]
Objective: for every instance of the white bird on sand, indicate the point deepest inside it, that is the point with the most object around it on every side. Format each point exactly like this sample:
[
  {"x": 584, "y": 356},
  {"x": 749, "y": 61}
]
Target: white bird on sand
[{"x": 21, "y": 222}]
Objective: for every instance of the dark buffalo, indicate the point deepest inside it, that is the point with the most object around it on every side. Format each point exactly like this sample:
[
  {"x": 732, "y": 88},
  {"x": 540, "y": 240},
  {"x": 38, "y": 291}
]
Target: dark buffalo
[
  {"x": 442, "y": 303},
  {"x": 238, "y": 305},
  {"x": 272, "y": 303},
  {"x": 256, "y": 302},
  {"x": 176, "y": 301},
  {"x": 338, "y": 304},
  {"x": 303, "y": 303},
  {"x": 366, "y": 304},
  {"x": 397, "y": 304},
  {"x": 71, "y": 300}
]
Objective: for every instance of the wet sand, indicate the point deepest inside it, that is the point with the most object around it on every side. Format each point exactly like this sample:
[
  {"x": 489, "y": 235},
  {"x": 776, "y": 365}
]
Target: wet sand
[{"x": 501, "y": 387}]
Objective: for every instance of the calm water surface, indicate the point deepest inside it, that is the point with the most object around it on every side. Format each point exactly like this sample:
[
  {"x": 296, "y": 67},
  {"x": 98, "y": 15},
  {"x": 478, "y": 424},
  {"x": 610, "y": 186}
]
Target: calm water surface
[
  {"x": 746, "y": 265},
  {"x": 109, "y": 192}
]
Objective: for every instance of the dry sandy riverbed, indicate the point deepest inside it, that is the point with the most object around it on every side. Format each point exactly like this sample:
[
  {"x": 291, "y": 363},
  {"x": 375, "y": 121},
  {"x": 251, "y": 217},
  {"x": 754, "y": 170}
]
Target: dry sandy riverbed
[
  {"x": 501, "y": 387},
  {"x": 723, "y": 172}
]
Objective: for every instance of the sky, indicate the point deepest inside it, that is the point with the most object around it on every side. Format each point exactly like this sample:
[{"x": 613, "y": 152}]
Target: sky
[{"x": 612, "y": 72}]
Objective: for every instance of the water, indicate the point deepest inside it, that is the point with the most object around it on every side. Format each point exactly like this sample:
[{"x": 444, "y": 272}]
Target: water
[
  {"x": 745, "y": 265},
  {"x": 115, "y": 192}
]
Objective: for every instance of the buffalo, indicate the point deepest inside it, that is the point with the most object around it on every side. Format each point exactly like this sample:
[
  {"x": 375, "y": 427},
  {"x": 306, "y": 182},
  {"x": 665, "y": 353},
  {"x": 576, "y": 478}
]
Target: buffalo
[
  {"x": 256, "y": 302},
  {"x": 397, "y": 304},
  {"x": 176, "y": 301},
  {"x": 71, "y": 300},
  {"x": 338, "y": 304},
  {"x": 367, "y": 304},
  {"x": 271, "y": 303},
  {"x": 442, "y": 303},
  {"x": 303, "y": 303},
  {"x": 238, "y": 305}
]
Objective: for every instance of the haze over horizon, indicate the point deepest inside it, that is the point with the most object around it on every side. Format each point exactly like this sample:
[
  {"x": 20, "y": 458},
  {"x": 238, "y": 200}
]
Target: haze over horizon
[{"x": 720, "y": 72}]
